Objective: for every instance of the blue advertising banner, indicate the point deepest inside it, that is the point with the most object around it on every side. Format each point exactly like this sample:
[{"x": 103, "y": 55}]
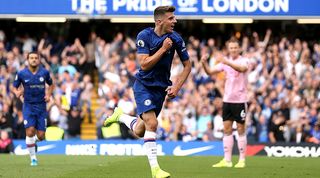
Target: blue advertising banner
[
  {"x": 135, "y": 148},
  {"x": 120, "y": 148},
  {"x": 184, "y": 8}
]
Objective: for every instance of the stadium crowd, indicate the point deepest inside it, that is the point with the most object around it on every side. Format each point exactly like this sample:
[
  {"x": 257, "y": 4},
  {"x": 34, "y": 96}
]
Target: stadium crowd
[{"x": 284, "y": 86}]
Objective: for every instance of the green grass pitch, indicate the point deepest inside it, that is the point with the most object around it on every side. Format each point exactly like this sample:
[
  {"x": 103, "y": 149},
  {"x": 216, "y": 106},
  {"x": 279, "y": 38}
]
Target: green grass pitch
[{"x": 12, "y": 166}]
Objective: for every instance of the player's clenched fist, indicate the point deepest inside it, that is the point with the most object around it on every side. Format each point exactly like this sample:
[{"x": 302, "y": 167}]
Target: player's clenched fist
[
  {"x": 167, "y": 44},
  {"x": 220, "y": 58}
]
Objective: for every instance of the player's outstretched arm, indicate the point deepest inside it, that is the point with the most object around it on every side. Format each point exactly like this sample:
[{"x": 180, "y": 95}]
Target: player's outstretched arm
[
  {"x": 147, "y": 62},
  {"x": 204, "y": 62},
  {"x": 237, "y": 67}
]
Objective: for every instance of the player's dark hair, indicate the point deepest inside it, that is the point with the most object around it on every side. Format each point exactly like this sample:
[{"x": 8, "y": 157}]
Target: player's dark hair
[
  {"x": 33, "y": 52},
  {"x": 161, "y": 10}
]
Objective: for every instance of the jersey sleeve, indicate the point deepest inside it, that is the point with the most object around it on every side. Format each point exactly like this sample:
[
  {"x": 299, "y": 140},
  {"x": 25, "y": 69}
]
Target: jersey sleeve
[
  {"x": 181, "y": 48},
  {"x": 48, "y": 78},
  {"x": 17, "y": 80},
  {"x": 142, "y": 43}
]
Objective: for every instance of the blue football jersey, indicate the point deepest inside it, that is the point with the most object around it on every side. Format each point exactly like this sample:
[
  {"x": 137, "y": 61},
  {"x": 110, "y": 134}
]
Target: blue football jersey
[
  {"x": 33, "y": 84},
  {"x": 148, "y": 42}
]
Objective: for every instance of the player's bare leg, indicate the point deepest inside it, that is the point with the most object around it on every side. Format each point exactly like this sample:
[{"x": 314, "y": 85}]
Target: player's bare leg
[
  {"x": 145, "y": 128},
  {"x": 151, "y": 124},
  {"x": 31, "y": 145},
  {"x": 139, "y": 129},
  {"x": 242, "y": 145},
  {"x": 40, "y": 135}
]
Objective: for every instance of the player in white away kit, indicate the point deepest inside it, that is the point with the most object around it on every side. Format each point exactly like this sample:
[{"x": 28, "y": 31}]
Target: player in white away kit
[{"x": 234, "y": 100}]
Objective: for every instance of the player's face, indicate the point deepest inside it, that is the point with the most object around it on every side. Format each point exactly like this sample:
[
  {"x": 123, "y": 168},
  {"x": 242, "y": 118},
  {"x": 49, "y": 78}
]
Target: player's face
[
  {"x": 233, "y": 49},
  {"x": 34, "y": 60},
  {"x": 168, "y": 22}
]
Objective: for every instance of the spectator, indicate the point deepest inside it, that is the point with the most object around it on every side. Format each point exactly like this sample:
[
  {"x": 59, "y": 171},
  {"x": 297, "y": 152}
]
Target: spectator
[
  {"x": 208, "y": 134},
  {"x": 65, "y": 66},
  {"x": 202, "y": 121},
  {"x": 91, "y": 49},
  {"x": 276, "y": 128},
  {"x": 183, "y": 134},
  {"x": 75, "y": 55},
  {"x": 6, "y": 144},
  {"x": 6, "y": 119},
  {"x": 314, "y": 135},
  {"x": 75, "y": 117},
  {"x": 54, "y": 133}
]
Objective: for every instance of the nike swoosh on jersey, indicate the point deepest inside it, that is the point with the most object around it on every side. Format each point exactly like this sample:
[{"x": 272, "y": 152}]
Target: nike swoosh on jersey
[
  {"x": 24, "y": 151},
  {"x": 26, "y": 81},
  {"x": 179, "y": 152}
]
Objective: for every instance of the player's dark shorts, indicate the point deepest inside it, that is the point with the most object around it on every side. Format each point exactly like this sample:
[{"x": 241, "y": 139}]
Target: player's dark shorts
[
  {"x": 35, "y": 115},
  {"x": 148, "y": 98},
  {"x": 234, "y": 112}
]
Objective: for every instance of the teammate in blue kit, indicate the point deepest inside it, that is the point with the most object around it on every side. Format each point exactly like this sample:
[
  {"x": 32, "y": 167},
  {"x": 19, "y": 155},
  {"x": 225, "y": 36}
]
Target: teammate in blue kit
[
  {"x": 33, "y": 93},
  {"x": 155, "y": 50}
]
